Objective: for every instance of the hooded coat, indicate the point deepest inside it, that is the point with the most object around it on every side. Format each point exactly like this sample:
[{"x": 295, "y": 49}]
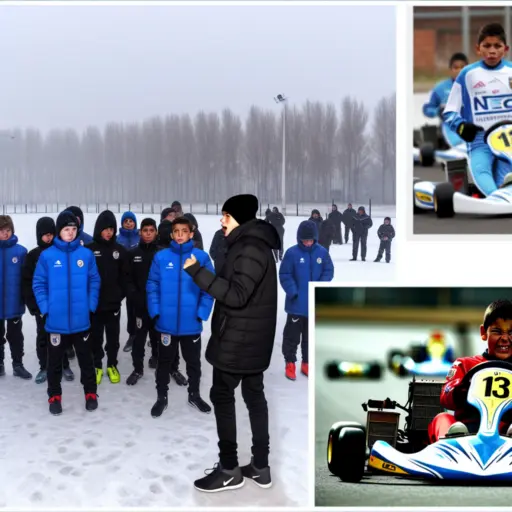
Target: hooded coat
[
  {"x": 218, "y": 250},
  {"x": 128, "y": 238},
  {"x": 112, "y": 263},
  {"x": 244, "y": 318},
  {"x": 12, "y": 257},
  {"x": 82, "y": 235},
  {"x": 300, "y": 266}
]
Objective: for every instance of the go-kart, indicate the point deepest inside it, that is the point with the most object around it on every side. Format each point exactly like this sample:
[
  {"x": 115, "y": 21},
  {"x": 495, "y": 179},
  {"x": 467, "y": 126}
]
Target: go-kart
[
  {"x": 417, "y": 360},
  {"x": 435, "y": 143},
  {"x": 457, "y": 195},
  {"x": 349, "y": 369},
  {"x": 481, "y": 456}
]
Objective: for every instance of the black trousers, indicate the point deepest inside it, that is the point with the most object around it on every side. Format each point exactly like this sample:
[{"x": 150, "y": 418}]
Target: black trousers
[
  {"x": 15, "y": 339},
  {"x": 337, "y": 235},
  {"x": 56, "y": 348},
  {"x": 130, "y": 313},
  {"x": 167, "y": 349},
  {"x": 385, "y": 245},
  {"x": 348, "y": 230},
  {"x": 295, "y": 333},
  {"x": 359, "y": 238},
  {"x": 143, "y": 327},
  {"x": 222, "y": 396},
  {"x": 108, "y": 322},
  {"x": 42, "y": 346}
]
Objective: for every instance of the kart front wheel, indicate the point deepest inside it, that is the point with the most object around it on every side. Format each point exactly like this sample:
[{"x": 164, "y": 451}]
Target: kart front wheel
[
  {"x": 427, "y": 154},
  {"x": 346, "y": 451},
  {"x": 443, "y": 200}
]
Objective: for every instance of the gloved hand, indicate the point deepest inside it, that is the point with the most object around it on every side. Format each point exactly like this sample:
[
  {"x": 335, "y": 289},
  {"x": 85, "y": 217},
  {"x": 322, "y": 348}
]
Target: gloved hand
[{"x": 468, "y": 131}]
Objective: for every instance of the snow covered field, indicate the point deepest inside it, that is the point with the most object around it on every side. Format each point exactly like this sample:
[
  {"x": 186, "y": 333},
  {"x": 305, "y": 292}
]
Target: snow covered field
[{"x": 119, "y": 456}]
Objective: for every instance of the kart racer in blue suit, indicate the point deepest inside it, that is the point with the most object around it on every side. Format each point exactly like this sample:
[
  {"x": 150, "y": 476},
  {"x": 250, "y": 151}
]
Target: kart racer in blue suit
[{"x": 480, "y": 97}]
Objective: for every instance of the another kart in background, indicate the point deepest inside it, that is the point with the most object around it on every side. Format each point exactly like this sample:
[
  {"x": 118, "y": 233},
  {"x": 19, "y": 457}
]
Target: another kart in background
[
  {"x": 355, "y": 451},
  {"x": 431, "y": 358},
  {"x": 335, "y": 370}
]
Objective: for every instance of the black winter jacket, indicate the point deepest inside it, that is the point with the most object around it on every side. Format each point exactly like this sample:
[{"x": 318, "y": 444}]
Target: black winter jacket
[
  {"x": 140, "y": 260},
  {"x": 218, "y": 250},
  {"x": 244, "y": 318},
  {"x": 327, "y": 232},
  {"x": 362, "y": 223},
  {"x": 112, "y": 262},
  {"x": 386, "y": 230}
]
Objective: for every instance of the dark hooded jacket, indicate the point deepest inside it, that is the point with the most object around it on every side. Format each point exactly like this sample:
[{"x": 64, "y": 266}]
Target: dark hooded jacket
[
  {"x": 362, "y": 223},
  {"x": 244, "y": 318},
  {"x": 318, "y": 221},
  {"x": 198, "y": 238},
  {"x": 327, "y": 233},
  {"x": 82, "y": 235},
  {"x": 218, "y": 250},
  {"x": 348, "y": 217},
  {"x": 163, "y": 240},
  {"x": 278, "y": 222},
  {"x": 112, "y": 262},
  {"x": 44, "y": 226},
  {"x": 386, "y": 230}
]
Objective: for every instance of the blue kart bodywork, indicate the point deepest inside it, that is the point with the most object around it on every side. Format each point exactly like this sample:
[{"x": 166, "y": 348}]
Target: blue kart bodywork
[{"x": 486, "y": 455}]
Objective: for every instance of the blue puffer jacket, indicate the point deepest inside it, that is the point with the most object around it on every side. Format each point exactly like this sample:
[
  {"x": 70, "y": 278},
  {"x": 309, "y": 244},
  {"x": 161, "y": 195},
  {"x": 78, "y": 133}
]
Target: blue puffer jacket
[
  {"x": 172, "y": 293},
  {"x": 67, "y": 286},
  {"x": 128, "y": 238},
  {"x": 12, "y": 256},
  {"x": 300, "y": 266}
]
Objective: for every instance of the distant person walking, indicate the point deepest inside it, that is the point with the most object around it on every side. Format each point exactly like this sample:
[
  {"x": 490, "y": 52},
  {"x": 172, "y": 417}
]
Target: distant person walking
[{"x": 362, "y": 223}]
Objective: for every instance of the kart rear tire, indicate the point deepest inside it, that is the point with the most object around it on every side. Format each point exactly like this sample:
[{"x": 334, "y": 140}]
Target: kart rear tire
[
  {"x": 375, "y": 371},
  {"x": 427, "y": 154},
  {"x": 346, "y": 451},
  {"x": 443, "y": 200},
  {"x": 332, "y": 371},
  {"x": 419, "y": 353}
]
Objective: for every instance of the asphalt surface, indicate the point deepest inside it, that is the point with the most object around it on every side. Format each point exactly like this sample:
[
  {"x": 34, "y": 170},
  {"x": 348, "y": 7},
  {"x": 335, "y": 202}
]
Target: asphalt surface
[
  {"x": 341, "y": 401},
  {"x": 428, "y": 223}
]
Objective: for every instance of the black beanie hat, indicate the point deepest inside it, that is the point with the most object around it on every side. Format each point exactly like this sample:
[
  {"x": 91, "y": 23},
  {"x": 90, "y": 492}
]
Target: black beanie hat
[
  {"x": 148, "y": 222},
  {"x": 77, "y": 212},
  {"x": 66, "y": 219},
  {"x": 44, "y": 226},
  {"x": 106, "y": 219},
  {"x": 242, "y": 208}
]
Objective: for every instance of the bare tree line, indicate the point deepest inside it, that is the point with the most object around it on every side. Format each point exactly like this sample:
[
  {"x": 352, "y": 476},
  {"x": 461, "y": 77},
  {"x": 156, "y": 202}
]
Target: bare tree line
[{"x": 330, "y": 155}]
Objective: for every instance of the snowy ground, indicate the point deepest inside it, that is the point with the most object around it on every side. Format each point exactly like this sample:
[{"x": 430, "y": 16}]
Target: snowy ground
[{"x": 119, "y": 456}]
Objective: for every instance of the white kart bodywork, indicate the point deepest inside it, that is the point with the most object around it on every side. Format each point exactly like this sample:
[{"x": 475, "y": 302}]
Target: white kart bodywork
[{"x": 455, "y": 153}]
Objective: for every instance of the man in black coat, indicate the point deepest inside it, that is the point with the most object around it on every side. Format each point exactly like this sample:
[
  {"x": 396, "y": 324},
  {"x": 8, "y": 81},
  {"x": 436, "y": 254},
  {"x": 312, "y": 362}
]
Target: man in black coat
[
  {"x": 218, "y": 250},
  {"x": 278, "y": 222},
  {"x": 362, "y": 223},
  {"x": 336, "y": 218},
  {"x": 45, "y": 233},
  {"x": 386, "y": 233},
  {"x": 326, "y": 234},
  {"x": 243, "y": 330},
  {"x": 348, "y": 221}
]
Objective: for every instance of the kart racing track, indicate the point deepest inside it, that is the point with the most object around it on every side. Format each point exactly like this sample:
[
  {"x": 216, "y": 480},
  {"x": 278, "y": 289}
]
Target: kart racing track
[
  {"x": 428, "y": 224},
  {"x": 341, "y": 401}
]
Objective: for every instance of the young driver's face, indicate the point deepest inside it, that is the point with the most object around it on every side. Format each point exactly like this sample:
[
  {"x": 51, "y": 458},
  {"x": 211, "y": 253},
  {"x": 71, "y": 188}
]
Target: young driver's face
[
  {"x": 456, "y": 68},
  {"x": 148, "y": 234},
  {"x": 499, "y": 338},
  {"x": 107, "y": 234},
  {"x": 228, "y": 223},
  {"x": 128, "y": 224},
  {"x": 181, "y": 233},
  {"x": 5, "y": 234},
  {"x": 492, "y": 49}
]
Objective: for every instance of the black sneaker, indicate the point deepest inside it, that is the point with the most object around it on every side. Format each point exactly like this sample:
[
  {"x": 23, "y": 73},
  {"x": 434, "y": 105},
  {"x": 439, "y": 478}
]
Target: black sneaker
[
  {"x": 261, "y": 477},
  {"x": 70, "y": 351},
  {"x": 195, "y": 400},
  {"x": 220, "y": 479},
  {"x": 91, "y": 401},
  {"x": 159, "y": 407},
  {"x": 18, "y": 370},
  {"x": 134, "y": 378},
  {"x": 129, "y": 344},
  {"x": 68, "y": 374},
  {"x": 376, "y": 260},
  {"x": 353, "y": 259},
  {"x": 179, "y": 378},
  {"x": 2, "y": 369},
  {"x": 152, "y": 363},
  {"x": 55, "y": 405}
]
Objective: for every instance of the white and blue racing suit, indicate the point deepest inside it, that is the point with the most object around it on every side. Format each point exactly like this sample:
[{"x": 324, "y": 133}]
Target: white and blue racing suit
[
  {"x": 438, "y": 98},
  {"x": 483, "y": 96}
]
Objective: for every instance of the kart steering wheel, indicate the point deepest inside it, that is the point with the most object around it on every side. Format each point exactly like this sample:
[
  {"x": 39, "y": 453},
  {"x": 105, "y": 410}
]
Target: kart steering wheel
[{"x": 482, "y": 366}]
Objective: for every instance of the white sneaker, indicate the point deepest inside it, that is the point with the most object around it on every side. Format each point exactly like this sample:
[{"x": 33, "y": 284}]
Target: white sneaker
[{"x": 457, "y": 429}]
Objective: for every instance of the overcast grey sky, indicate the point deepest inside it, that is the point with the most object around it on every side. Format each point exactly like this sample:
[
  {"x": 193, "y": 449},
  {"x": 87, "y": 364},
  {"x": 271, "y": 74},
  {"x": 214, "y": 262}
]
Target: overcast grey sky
[{"x": 70, "y": 66}]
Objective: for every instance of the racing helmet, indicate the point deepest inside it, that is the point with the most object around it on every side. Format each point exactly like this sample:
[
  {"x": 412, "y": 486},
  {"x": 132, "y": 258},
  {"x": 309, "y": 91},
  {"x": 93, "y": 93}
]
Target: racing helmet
[{"x": 436, "y": 345}]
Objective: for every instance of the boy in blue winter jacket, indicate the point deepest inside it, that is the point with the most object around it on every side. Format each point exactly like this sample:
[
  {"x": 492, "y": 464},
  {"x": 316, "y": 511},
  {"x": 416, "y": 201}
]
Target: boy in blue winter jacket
[
  {"x": 305, "y": 262},
  {"x": 67, "y": 287},
  {"x": 178, "y": 308},
  {"x": 12, "y": 308},
  {"x": 129, "y": 238}
]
